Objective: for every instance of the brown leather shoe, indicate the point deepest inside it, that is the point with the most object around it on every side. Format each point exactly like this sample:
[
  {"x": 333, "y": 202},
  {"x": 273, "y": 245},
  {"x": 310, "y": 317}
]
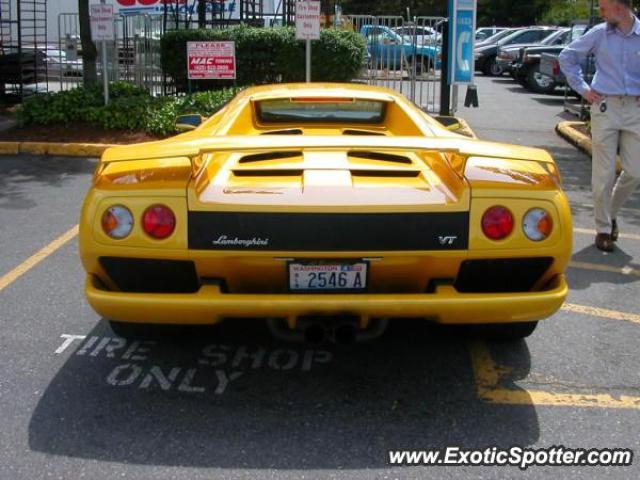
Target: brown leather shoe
[
  {"x": 604, "y": 242},
  {"x": 614, "y": 230}
]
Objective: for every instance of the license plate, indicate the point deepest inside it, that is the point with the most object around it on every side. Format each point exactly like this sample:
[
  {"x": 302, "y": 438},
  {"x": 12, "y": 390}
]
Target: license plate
[{"x": 332, "y": 276}]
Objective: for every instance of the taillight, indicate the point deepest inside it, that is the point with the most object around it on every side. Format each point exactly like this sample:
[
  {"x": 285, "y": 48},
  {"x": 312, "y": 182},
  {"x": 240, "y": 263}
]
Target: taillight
[
  {"x": 556, "y": 67},
  {"x": 158, "y": 221},
  {"x": 497, "y": 223},
  {"x": 117, "y": 222},
  {"x": 537, "y": 224}
]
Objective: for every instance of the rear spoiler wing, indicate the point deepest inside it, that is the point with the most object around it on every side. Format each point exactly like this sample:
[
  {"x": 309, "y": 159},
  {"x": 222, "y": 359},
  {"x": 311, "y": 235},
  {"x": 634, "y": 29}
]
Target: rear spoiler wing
[{"x": 463, "y": 147}]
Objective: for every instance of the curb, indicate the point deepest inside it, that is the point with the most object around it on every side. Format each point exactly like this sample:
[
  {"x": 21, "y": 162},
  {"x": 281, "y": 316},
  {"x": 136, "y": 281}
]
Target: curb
[
  {"x": 53, "y": 148},
  {"x": 581, "y": 141}
]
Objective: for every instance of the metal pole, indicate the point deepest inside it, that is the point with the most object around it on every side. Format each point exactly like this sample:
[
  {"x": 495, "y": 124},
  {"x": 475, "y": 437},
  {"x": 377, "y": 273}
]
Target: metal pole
[
  {"x": 308, "y": 61},
  {"x": 105, "y": 75},
  {"x": 445, "y": 88}
]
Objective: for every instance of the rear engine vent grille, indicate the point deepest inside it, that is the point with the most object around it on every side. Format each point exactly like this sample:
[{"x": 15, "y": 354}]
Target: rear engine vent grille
[
  {"x": 350, "y": 131},
  {"x": 141, "y": 275},
  {"x": 261, "y": 157},
  {"x": 267, "y": 173},
  {"x": 385, "y": 157},
  {"x": 508, "y": 275},
  {"x": 386, "y": 173},
  {"x": 290, "y": 131}
]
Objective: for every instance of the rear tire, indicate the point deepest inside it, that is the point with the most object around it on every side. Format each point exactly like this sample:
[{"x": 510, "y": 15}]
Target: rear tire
[
  {"x": 491, "y": 68},
  {"x": 539, "y": 83},
  {"x": 504, "y": 332},
  {"x": 423, "y": 65},
  {"x": 130, "y": 330},
  {"x": 146, "y": 331}
]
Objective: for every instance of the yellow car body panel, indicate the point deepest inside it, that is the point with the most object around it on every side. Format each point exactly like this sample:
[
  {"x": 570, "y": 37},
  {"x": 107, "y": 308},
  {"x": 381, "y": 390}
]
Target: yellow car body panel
[{"x": 238, "y": 168}]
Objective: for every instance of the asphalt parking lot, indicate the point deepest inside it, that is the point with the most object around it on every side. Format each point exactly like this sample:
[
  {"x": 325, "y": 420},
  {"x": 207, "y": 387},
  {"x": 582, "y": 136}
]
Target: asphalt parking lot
[{"x": 231, "y": 402}]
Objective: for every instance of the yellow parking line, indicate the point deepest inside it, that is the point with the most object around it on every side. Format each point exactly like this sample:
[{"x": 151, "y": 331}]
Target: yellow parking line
[
  {"x": 588, "y": 231},
  {"x": 601, "y": 312},
  {"x": 488, "y": 374},
  {"x": 37, "y": 257},
  {"x": 605, "y": 268}
]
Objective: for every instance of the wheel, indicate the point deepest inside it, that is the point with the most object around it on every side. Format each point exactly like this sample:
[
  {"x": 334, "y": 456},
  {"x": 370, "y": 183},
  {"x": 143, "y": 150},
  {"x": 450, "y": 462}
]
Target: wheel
[
  {"x": 504, "y": 332},
  {"x": 491, "y": 68},
  {"x": 538, "y": 82},
  {"x": 423, "y": 65}
]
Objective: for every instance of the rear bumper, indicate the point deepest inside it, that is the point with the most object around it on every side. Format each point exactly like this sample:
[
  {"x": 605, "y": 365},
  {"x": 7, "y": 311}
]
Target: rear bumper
[
  {"x": 505, "y": 64},
  {"x": 210, "y": 305}
]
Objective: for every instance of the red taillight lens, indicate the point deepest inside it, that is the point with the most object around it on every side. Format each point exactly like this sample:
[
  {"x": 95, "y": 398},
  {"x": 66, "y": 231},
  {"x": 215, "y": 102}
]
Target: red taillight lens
[
  {"x": 497, "y": 223},
  {"x": 158, "y": 221},
  {"x": 556, "y": 67}
]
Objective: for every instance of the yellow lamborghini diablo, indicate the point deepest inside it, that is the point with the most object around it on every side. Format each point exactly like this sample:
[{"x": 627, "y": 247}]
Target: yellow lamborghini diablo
[{"x": 328, "y": 209}]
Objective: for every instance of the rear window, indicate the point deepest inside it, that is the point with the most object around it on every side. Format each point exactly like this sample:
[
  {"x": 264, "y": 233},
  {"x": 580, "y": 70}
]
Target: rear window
[{"x": 320, "y": 110}]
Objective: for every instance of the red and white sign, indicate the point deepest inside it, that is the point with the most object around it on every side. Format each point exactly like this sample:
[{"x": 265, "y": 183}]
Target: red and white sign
[
  {"x": 308, "y": 20},
  {"x": 211, "y": 60},
  {"x": 185, "y": 7},
  {"x": 102, "y": 23}
]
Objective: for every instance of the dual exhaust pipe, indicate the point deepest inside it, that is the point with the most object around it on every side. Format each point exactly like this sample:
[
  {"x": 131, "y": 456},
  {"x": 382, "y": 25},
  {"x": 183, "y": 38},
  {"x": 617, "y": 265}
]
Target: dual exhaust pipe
[
  {"x": 344, "y": 334},
  {"x": 318, "y": 330}
]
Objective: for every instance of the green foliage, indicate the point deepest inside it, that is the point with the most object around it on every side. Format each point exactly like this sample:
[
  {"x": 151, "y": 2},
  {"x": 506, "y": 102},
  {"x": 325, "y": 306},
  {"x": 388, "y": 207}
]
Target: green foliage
[
  {"x": 564, "y": 12},
  {"x": 130, "y": 108},
  {"x": 161, "y": 116},
  {"x": 268, "y": 55},
  {"x": 511, "y": 12}
]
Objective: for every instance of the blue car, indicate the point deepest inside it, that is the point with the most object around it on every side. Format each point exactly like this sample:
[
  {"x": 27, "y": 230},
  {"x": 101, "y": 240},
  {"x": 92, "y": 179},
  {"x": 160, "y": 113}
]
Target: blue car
[{"x": 387, "y": 50}]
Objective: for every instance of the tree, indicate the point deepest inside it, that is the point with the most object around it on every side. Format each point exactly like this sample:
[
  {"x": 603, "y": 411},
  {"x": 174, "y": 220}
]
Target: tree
[
  {"x": 564, "y": 12},
  {"x": 490, "y": 12},
  {"x": 511, "y": 12},
  {"x": 89, "y": 51}
]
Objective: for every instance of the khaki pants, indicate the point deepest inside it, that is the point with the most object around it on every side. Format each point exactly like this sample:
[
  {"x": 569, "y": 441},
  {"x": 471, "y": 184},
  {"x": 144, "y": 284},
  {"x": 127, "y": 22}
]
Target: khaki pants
[{"x": 618, "y": 126}]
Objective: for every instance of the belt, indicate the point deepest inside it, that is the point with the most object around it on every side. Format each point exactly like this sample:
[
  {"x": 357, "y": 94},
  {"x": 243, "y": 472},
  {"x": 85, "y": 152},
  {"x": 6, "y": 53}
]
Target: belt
[{"x": 623, "y": 97}]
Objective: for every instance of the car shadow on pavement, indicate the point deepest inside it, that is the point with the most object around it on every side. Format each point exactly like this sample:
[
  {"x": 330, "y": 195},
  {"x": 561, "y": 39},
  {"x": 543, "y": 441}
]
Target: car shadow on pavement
[
  {"x": 18, "y": 173},
  {"x": 551, "y": 99},
  {"x": 581, "y": 279},
  {"x": 283, "y": 406}
]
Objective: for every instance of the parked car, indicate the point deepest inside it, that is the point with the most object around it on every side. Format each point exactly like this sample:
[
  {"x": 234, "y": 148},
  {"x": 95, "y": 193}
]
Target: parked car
[
  {"x": 510, "y": 55},
  {"x": 423, "y": 35},
  {"x": 327, "y": 209},
  {"x": 528, "y": 70},
  {"x": 58, "y": 64},
  {"x": 483, "y": 33},
  {"x": 498, "y": 36},
  {"x": 388, "y": 49},
  {"x": 486, "y": 54},
  {"x": 55, "y": 62},
  {"x": 550, "y": 66}
]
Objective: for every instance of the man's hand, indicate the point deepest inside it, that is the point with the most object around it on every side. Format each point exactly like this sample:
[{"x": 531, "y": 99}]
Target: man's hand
[{"x": 592, "y": 96}]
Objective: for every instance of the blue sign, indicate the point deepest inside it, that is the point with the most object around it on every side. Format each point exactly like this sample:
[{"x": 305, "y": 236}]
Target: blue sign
[{"x": 462, "y": 28}]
